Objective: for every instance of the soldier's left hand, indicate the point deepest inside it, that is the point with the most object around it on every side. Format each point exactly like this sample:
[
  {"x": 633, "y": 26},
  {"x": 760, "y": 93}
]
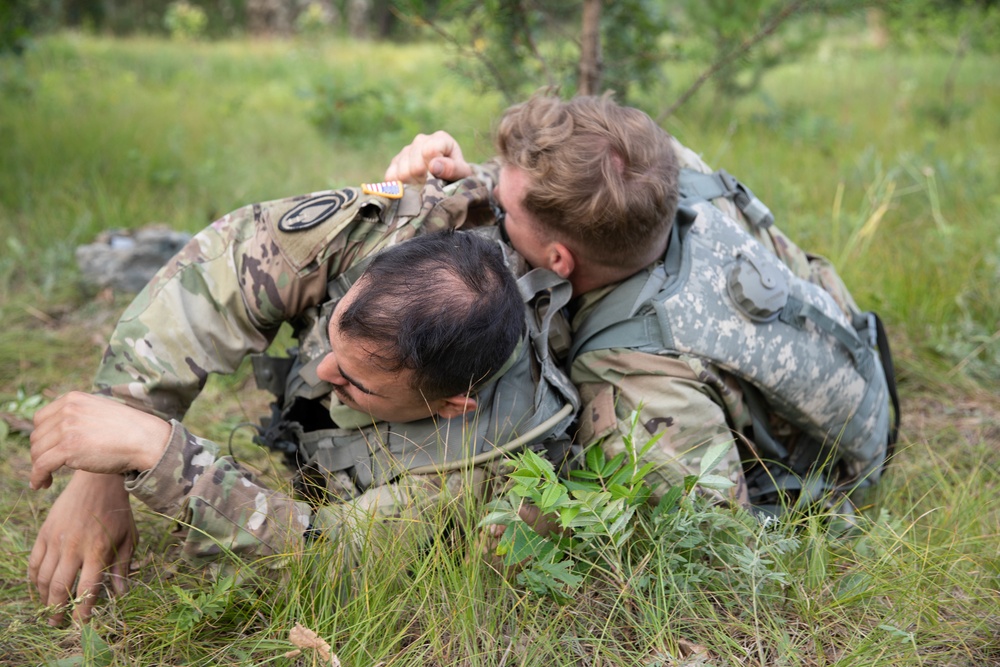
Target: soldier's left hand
[
  {"x": 436, "y": 154},
  {"x": 96, "y": 434}
]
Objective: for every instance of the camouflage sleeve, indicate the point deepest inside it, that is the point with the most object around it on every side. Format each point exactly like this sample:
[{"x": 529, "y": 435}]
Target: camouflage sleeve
[
  {"x": 219, "y": 504},
  {"x": 221, "y": 508},
  {"x": 682, "y": 402},
  {"x": 487, "y": 173},
  {"x": 227, "y": 292},
  {"x": 222, "y": 297}
]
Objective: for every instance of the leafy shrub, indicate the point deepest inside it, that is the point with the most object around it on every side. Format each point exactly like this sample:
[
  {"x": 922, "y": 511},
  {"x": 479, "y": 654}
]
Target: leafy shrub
[
  {"x": 185, "y": 21},
  {"x": 355, "y": 112},
  {"x": 607, "y": 529},
  {"x": 314, "y": 20}
]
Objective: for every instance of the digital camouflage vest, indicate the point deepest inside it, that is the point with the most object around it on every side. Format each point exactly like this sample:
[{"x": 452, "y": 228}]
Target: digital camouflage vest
[
  {"x": 799, "y": 354},
  {"x": 530, "y": 402}
]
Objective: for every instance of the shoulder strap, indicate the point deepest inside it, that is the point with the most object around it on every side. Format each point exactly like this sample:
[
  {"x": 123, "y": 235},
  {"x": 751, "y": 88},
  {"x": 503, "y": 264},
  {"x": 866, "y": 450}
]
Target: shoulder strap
[
  {"x": 698, "y": 185},
  {"x": 337, "y": 287},
  {"x": 614, "y": 323}
]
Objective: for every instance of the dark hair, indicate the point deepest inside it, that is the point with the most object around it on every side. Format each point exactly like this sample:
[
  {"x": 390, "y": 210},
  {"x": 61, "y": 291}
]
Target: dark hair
[{"x": 444, "y": 305}]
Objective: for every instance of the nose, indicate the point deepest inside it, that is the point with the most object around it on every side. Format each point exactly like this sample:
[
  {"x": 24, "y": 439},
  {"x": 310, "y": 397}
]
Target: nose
[{"x": 329, "y": 370}]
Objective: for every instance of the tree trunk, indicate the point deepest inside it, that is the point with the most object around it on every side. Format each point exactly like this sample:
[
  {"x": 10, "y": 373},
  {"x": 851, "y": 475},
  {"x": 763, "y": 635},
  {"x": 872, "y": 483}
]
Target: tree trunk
[
  {"x": 590, "y": 49},
  {"x": 269, "y": 17}
]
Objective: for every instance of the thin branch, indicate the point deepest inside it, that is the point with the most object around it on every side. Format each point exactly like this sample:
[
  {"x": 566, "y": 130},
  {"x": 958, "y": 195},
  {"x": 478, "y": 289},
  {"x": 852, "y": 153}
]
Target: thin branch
[
  {"x": 949, "y": 80},
  {"x": 533, "y": 47},
  {"x": 464, "y": 50},
  {"x": 738, "y": 52}
]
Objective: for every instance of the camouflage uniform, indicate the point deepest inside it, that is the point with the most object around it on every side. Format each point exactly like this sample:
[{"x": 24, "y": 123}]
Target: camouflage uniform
[
  {"x": 221, "y": 507},
  {"x": 225, "y": 296},
  {"x": 690, "y": 403}
]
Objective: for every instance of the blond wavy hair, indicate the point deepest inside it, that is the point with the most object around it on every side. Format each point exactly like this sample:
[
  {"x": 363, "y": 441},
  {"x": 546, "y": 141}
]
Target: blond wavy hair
[{"x": 602, "y": 177}]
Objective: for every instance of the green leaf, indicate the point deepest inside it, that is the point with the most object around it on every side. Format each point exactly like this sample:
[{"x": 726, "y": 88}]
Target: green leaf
[
  {"x": 595, "y": 459},
  {"x": 619, "y": 491},
  {"x": 581, "y": 487},
  {"x": 525, "y": 478},
  {"x": 562, "y": 573},
  {"x": 713, "y": 457},
  {"x": 619, "y": 478},
  {"x": 567, "y": 514},
  {"x": 551, "y": 497},
  {"x": 640, "y": 474},
  {"x": 497, "y": 518},
  {"x": 536, "y": 464},
  {"x": 611, "y": 466},
  {"x": 95, "y": 649},
  {"x": 522, "y": 542},
  {"x": 689, "y": 483},
  {"x": 650, "y": 444},
  {"x": 185, "y": 597},
  {"x": 621, "y": 522},
  {"x": 716, "y": 482},
  {"x": 72, "y": 661}
]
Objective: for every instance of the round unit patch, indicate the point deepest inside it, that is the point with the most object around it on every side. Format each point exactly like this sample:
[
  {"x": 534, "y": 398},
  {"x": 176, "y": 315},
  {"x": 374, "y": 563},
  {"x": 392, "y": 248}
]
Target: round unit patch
[{"x": 313, "y": 211}]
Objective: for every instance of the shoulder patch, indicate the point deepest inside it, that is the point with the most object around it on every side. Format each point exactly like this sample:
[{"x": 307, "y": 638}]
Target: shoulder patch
[
  {"x": 313, "y": 211},
  {"x": 387, "y": 189}
]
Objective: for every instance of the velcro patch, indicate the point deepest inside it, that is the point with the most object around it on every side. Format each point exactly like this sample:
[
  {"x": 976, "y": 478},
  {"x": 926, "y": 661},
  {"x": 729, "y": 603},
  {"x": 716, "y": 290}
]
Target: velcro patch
[
  {"x": 598, "y": 417},
  {"x": 313, "y": 211},
  {"x": 387, "y": 189}
]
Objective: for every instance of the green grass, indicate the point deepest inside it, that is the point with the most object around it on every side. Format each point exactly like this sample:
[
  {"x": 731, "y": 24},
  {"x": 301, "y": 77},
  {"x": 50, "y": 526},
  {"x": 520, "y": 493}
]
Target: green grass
[{"x": 849, "y": 151}]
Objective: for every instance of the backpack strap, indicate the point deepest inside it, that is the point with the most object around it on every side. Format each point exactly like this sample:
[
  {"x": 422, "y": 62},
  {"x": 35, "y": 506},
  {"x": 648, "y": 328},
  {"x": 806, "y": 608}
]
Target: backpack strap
[
  {"x": 885, "y": 353},
  {"x": 337, "y": 287},
  {"x": 615, "y": 324},
  {"x": 797, "y": 311},
  {"x": 548, "y": 294},
  {"x": 698, "y": 185}
]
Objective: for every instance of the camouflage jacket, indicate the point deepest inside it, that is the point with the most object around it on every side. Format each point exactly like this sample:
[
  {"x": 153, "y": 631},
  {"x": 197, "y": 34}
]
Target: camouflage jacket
[
  {"x": 223, "y": 297},
  {"x": 226, "y": 293}
]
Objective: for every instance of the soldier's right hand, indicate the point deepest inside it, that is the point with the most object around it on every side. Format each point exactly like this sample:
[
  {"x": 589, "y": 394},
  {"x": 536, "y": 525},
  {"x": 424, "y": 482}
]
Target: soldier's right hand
[
  {"x": 437, "y": 155},
  {"x": 88, "y": 535},
  {"x": 96, "y": 434}
]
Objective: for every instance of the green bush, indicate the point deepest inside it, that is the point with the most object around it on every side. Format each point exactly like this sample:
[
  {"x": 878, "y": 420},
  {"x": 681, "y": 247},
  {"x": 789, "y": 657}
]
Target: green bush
[{"x": 185, "y": 21}]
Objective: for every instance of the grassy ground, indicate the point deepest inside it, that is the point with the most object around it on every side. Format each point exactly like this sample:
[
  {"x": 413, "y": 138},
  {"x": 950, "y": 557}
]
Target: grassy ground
[{"x": 862, "y": 155}]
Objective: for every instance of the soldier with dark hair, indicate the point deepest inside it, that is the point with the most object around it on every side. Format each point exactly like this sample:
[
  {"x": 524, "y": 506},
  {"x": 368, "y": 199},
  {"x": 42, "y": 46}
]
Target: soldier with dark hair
[{"x": 417, "y": 366}]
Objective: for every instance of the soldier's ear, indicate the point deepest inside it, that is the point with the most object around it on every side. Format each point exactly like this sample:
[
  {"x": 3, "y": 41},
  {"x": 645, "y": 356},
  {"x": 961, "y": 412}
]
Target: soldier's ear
[
  {"x": 455, "y": 406},
  {"x": 560, "y": 259}
]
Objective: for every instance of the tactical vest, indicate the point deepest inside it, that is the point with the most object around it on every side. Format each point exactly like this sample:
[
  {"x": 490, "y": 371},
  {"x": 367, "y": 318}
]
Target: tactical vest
[
  {"x": 531, "y": 402},
  {"x": 721, "y": 296}
]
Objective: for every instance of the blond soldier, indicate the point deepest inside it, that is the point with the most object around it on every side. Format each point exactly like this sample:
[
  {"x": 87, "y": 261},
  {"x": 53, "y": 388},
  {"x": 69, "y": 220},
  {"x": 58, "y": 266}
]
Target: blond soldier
[{"x": 590, "y": 190}]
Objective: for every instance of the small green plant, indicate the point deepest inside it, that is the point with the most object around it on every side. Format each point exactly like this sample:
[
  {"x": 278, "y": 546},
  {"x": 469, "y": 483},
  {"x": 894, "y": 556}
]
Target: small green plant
[
  {"x": 185, "y": 21},
  {"x": 205, "y": 606},
  {"x": 21, "y": 408},
  {"x": 592, "y": 512},
  {"x": 601, "y": 517}
]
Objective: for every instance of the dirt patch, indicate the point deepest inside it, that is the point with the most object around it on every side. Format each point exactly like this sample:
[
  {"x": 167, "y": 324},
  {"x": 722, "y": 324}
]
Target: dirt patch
[{"x": 974, "y": 416}]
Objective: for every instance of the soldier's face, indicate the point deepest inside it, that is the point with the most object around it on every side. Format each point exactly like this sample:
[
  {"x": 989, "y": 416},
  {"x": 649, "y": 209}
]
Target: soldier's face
[
  {"x": 524, "y": 233},
  {"x": 362, "y": 384}
]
